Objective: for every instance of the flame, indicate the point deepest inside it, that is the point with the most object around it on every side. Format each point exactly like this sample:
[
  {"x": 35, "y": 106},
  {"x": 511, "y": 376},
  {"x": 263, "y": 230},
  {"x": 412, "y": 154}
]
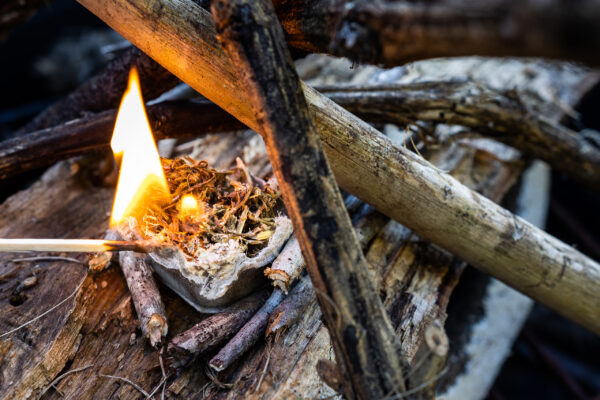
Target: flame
[{"x": 142, "y": 180}]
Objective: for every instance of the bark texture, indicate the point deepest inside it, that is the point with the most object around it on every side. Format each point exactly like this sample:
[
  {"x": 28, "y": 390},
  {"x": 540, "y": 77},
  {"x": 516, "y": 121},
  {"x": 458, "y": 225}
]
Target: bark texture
[
  {"x": 396, "y": 32},
  {"x": 362, "y": 336}
]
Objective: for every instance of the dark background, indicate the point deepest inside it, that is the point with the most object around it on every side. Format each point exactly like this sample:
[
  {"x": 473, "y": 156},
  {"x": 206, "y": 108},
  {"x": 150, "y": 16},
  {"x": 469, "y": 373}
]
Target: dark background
[{"x": 63, "y": 45}]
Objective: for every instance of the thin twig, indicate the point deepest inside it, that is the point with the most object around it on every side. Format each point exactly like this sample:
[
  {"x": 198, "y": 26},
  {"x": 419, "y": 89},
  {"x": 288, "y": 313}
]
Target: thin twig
[
  {"x": 47, "y": 258},
  {"x": 120, "y": 378},
  {"x": 45, "y": 312},
  {"x": 61, "y": 377}
]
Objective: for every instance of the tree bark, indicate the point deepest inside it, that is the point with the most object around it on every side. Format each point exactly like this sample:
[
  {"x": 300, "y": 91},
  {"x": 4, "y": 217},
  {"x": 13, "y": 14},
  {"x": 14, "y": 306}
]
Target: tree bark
[
  {"x": 362, "y": 336},
  {"x": 395, "y": 32}
]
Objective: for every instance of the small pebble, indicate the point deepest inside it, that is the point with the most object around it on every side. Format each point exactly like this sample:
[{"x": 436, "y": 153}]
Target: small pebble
[
  {"x": 103, "y": 284},
  {"x": 29, "y": 282},
  {"x": 132, "y": 339},
  {"x": 121, "y": 357}
]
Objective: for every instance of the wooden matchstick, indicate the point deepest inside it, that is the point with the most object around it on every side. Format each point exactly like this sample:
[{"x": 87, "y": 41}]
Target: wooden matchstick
[
  {"x": 76, "y": 245},
  {"x": 212, "y": 331}
]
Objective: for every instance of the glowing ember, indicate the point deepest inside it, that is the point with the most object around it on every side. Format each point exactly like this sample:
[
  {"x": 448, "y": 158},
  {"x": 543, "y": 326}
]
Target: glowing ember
[
  {"x": 142, "y": 182},
  {"x": 189, "y": 205}
]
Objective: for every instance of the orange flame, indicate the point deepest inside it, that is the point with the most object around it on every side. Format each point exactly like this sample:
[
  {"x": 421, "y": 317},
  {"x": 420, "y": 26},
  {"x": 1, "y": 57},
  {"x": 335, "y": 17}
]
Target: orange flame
[{"x": 142, "y": 181}]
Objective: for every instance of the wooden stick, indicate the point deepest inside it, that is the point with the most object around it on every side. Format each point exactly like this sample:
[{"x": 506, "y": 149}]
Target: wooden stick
[
  {"x": 76, "y": 245},
  {"x": 142, "y": 287},
  {"x": 393, "y": 33},
  {"x": 403, "y": 186},
  {"x": 212, "y": 331},
  {"x": 362, "y": 336},
  {"x": 248, "y": 335},
  {"x": 168, "y": 119},
  {"x": 145, "y": 295}
]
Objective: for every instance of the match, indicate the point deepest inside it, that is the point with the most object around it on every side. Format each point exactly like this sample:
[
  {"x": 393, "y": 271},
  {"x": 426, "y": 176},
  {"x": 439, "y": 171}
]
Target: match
[{"x": 76, "y": 245}]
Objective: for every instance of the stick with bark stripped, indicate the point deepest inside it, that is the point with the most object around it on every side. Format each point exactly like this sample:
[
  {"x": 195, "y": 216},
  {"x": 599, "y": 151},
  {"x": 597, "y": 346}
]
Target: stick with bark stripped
[{"x": 361, "y": 333}]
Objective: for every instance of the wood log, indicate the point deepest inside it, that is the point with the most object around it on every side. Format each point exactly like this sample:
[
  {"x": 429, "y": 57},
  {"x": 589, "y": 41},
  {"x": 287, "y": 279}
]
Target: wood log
[
  {"x": 407, "y": 188},
  {"x": 362, "y": 336},
  {"x": 41, "y": 148},
  {"x": 396, "y": 32},
  {"x": 105, "y": 90}
]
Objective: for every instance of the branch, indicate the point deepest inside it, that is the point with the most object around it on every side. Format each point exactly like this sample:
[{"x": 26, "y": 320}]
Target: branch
[
  {"x": 511, "y": 117},
  {"x": 396, "y": 32},
  {"x": 394, "y": 181},
  {"x": 168, "y": 119},
  {"x": 361, "y": 333}
]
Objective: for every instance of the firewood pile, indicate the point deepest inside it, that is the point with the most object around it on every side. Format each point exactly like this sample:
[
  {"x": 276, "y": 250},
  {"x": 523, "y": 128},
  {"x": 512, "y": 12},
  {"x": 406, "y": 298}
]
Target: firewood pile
[{"x": 321, "y": 215}]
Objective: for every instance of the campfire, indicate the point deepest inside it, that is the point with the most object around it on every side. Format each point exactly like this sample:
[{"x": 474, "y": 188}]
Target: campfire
[{"x": 304, "y": 225}]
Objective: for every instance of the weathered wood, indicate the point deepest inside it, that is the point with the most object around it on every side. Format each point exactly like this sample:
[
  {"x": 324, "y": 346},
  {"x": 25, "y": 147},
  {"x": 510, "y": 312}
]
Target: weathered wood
[
  {"x": 181, "y": 119},
  {"x": 405, "y": 187},
  {"x": 396, "y": 32},
  {"x": 362, "y": 336},
  {"x": 146, "y": 298},
  {"x": 105, "y": 90}
]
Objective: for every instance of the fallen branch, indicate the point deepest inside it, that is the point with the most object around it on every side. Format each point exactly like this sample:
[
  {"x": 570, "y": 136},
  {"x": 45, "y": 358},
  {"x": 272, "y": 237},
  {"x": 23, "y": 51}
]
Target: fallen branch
[
  {"x": 144, "y": 292},
  {"x": 510, "y": 117},
  {"x": 395, "y": 32},
  {"x": 169, "y": 119},
  {"x": 361, "y": 334},
  {"x": 212, "y": 331},
  {"x": 391, "y": 179}
]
